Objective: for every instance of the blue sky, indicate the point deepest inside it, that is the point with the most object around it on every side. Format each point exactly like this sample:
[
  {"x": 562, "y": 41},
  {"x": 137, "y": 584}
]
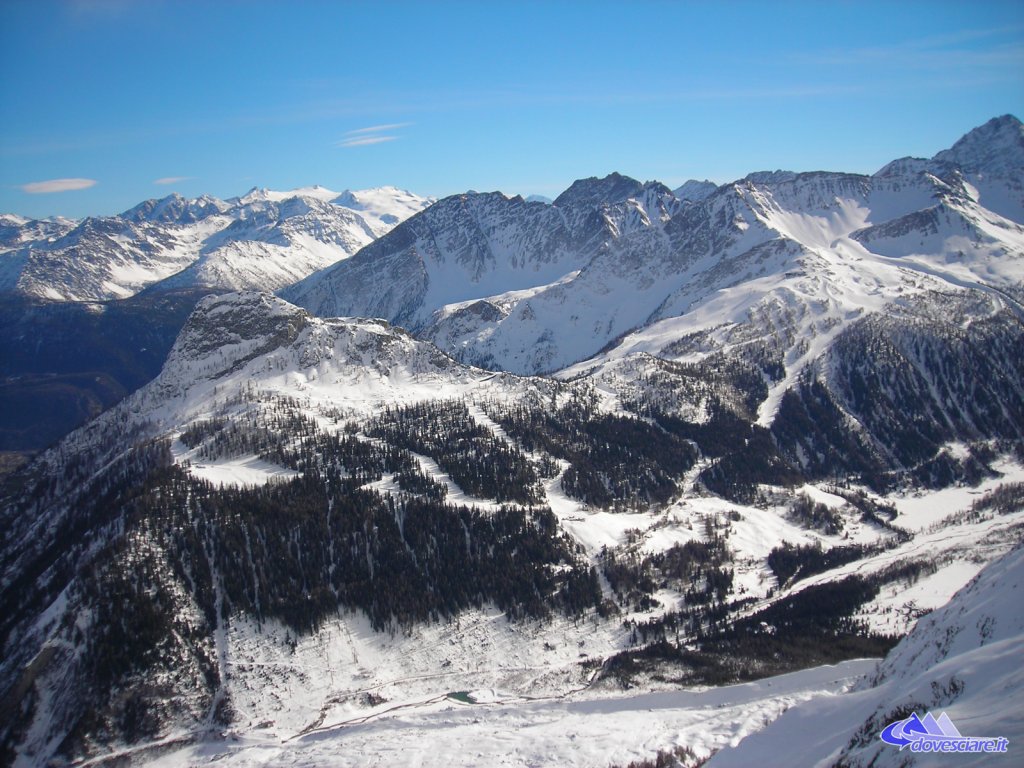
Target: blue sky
[{"x": 127, "y": 100}]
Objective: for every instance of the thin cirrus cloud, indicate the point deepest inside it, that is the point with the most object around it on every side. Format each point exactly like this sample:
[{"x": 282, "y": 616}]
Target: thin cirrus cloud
[
  {"x": 171, "y": 179},
  {"x": 57, "y": 185},
  {"x": 362, "y": 141},
  {"x": 378, "y": 128},
  {"x": 373, "y": 134}
]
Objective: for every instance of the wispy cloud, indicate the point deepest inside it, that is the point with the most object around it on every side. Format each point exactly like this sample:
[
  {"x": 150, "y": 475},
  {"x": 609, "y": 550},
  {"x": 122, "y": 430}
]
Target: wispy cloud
[
  {"x": 361, "y": 141},
  {"x": 171, "y": 179},
  {"x": 377, "y": 129},
  {"x": 57, "y": 185},
  {"x": 373, "y": 134}
]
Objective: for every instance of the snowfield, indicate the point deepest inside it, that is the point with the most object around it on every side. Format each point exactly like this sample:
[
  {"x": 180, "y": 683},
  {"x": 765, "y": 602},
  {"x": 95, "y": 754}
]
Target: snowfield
[
  {"x": 503, "y": 730},
  {"x": 240, "y": 471}
]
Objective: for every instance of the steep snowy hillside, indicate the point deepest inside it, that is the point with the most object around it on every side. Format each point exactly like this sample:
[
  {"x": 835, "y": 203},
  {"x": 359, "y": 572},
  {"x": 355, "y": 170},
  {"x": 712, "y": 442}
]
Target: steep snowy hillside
[
  {"x": 960, "y": 660},
  {"x": 263, "y": 240}
]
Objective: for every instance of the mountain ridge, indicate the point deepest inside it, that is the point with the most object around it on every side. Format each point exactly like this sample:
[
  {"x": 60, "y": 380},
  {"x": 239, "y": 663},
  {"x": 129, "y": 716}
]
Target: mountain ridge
[
  {"x": 828, "y": 213},
  {"x": 263, "y": 239}
]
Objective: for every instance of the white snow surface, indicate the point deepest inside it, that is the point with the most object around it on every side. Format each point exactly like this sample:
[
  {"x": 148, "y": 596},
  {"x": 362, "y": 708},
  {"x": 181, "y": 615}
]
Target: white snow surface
[
  {"x": 502, "y": 729},
  {"x": 383, "y": 207},
  {"x": 238, "y": 471}
]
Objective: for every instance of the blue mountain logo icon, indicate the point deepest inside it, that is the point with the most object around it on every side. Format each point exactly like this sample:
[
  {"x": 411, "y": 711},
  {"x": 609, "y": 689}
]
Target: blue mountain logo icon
[{"x": 931, "y": 734}]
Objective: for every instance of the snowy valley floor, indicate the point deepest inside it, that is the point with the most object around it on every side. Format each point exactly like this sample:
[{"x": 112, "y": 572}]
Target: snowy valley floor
[{"x": 580, "y": 730}]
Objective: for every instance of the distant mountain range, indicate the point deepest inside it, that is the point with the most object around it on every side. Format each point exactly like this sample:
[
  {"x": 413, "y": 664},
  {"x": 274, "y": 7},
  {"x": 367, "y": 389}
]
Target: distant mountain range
[
  {"x": 89, "y": 309},
  {"x": 262, "y": 240}
]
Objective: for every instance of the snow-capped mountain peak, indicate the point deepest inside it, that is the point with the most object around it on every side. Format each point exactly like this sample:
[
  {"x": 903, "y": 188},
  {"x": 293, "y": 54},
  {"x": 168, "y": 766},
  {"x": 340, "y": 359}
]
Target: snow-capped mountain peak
[
  {"x": 13, "y": 220},
  {"x": 262, "y": 193},
  {"x": 995, "y": 148},
  {"x": 770, "y": 177},
  {"x": 383, "y": 207},
  {"x": 591, "y": 192},
  {"x": 695, "y": 191},
  {"x": 175, "y": 209},
  {"x": 905, "y": 167}
]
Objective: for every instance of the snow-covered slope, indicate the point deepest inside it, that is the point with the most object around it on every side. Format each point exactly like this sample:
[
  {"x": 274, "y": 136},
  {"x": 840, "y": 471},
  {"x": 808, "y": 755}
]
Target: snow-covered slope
[
  {"x": 16, "y": 230},
  {"x": 175, "y": 209},
  {"x": 272, "y": 243},
  {"x": 695, "y": 191},
  {"x": 262, "y": 240},
  {"x": 457, "y": 250},
  {"x": 383, "y": 207},
  {"x": 108, "y": 258},
  {"x": 961, "y": 660}
]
